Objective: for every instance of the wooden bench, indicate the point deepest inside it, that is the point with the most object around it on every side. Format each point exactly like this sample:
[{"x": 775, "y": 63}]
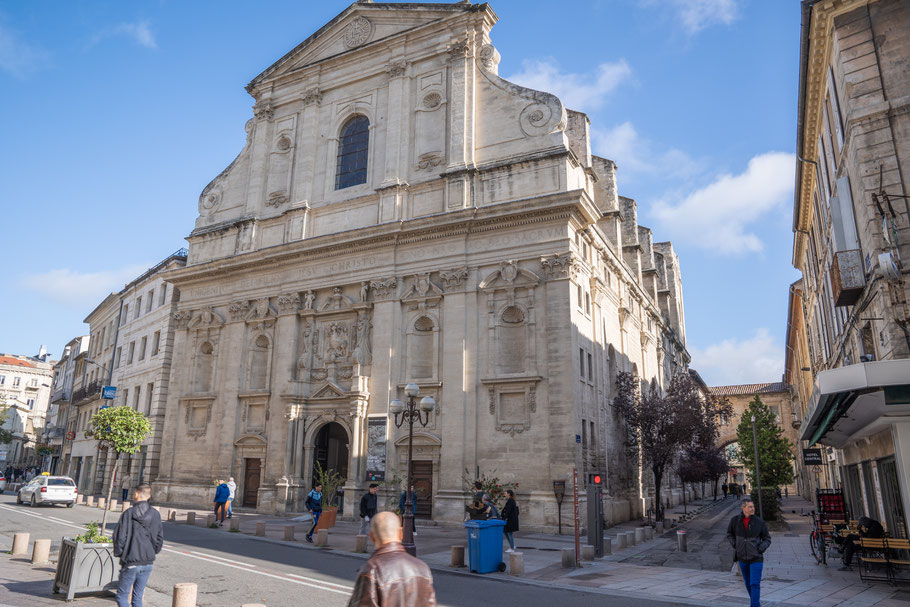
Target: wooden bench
[{"x": 873, "y": 560}]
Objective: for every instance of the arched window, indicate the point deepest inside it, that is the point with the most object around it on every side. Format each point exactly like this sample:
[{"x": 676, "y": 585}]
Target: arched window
[
  {"x": 420, "y": 348},
  {"x": 353, "y": 148}
]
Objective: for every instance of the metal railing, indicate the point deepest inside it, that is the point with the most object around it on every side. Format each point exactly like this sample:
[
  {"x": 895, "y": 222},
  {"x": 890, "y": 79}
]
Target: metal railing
[{"x": 87, "y": 391}]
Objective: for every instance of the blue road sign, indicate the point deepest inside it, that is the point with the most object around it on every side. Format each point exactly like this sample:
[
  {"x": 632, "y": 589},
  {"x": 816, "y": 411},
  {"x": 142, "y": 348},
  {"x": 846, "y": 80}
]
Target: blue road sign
[{"x": 109, "y": 392}]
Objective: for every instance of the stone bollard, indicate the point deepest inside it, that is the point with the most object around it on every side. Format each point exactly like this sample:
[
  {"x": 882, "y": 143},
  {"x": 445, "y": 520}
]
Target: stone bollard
[
  {"x": 80, "y": 499},
  {"x": 608, "y": 546},
  {"x": 172, "y": 516},
  {"x": 681, "y": 540},
  {"x": 209, "y": 520},
  {"x": 457, "y": 556},
  {"x": 620, "y": 541},
  {"x": 102, "y": 502},
  {"x": 568, "y": 558},
  {"x": 260, "y": 529},
  {"x": 289, "y": 533},
  {"x": 630, "y": 538},
  {"x": 659, "y": 527},
  {"x": 516, "y": 563},
  {"x": 322, "y": 537},
  {"x": 639, "y": 535},
  {"x": 114, "y": 504},
  {"x": 20, "y": 544},
  {"x": 587, "y": 552},
  {"x": 90, "y": 501},
  {"x": 235, "y": 524},
  {"x": 184, "y": 595},
  {"x": 125, "y": 506},
  {"x": 360, "y": 543},
  {"x": 649, "y": 533},
  {"x": 41, "y": 552},
  {"x": 190, "y": 518}
]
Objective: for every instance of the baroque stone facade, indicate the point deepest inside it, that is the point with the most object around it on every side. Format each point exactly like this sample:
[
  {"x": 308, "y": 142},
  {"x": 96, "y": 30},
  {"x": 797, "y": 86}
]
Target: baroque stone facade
[{"x": 401, "y": 213}]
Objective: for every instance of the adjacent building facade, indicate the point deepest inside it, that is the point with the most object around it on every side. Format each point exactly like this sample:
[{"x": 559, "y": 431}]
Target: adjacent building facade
[
  {"x": 848, "y": 333},
  {"x": 400, "y": 213},
  {"x": 25, "y": 391}
]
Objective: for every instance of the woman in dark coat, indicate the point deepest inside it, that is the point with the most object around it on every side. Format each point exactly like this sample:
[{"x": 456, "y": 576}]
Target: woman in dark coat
[{"x": 510, "y": 516}]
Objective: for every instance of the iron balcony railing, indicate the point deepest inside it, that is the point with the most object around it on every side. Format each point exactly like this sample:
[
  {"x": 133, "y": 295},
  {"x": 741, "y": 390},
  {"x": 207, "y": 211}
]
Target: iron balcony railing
[{"x": 87, "y": 391}]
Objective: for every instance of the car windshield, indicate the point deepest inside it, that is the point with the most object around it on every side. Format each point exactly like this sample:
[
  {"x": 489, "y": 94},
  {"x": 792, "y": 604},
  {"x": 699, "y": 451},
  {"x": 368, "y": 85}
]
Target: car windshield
[{"x": 60, "y": 482}]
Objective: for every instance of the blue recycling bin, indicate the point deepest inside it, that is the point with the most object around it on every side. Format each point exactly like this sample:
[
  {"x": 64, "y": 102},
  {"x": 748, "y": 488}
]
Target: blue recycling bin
[{"x": 485, "y": 545}]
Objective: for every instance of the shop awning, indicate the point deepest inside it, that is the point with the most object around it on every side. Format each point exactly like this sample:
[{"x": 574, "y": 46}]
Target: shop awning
[{"x": 857, "y": 400}]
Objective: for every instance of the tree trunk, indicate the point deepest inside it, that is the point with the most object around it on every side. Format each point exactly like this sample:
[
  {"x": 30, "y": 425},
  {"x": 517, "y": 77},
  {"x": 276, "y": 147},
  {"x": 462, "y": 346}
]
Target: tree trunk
[
  {"x": 110, "y": 489},
  {"x": 658, "y": 505}
]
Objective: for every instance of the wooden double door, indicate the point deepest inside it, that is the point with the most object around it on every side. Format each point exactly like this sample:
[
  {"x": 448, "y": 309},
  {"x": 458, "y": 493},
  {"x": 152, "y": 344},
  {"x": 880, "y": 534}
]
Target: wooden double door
[
  {"x": 252, "y": 474},
  {"x": 422, "y": 476}
]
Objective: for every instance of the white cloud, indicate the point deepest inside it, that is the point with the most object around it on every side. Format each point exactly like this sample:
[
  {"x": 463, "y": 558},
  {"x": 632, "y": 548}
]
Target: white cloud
[
  {"x": 635, "y": 154},
  {"x": 718, "y": 216},
  {"x": 582, "y": 92},
  {"x": 139, "y": 32},
  {"x": 82, "y": 290},
  {"x": 17, "y": 57},
  {"x": 696, "y": 15},
  {"x": 757, "y": 359}
]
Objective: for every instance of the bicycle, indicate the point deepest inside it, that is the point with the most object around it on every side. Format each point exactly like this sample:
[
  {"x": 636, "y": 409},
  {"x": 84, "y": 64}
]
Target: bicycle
[{"x": 817, "y": 541}]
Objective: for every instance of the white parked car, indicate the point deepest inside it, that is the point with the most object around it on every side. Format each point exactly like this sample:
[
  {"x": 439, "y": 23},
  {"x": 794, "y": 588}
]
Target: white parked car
[
  {"x": 48, "y": 490},
  {"x": 2, "y": 483}
]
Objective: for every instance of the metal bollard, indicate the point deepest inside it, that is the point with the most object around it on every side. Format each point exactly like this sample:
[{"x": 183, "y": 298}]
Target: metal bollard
[
  {"x": 289, "y": 533},
  {"x": 190, "y": 518},
  {"x": 639, "y": 535},
  {"x": 209, "y": 520},
  {"x": 457, "y": 556},
  {"x": 20, "y": 544},
  {"x": 587, "y": 552},
  {"x": 360, "y": 543},
  {"x": 41, "y": 552},
  {"x": 681, "y": 540},
  {"x": 568, "y": 558},
  {"x": 184, "y": 595},
  {"x": 517, "y": 563},
  {"x": 260, "y": 529},
  {"x": 322, "y": 537},
  {"x": 608, "y": 546},
  {"x": 235, "y": 524}
]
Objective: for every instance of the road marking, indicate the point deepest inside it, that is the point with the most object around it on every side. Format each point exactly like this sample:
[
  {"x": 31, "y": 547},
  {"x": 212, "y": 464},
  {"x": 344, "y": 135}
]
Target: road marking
[
  {"x": 43, "y": 518},
  {"x": 322, "y": 585},
  {"x": 221, "y": 558}
]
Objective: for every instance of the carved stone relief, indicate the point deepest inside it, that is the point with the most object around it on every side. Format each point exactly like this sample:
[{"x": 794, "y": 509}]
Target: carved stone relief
[
  {"x": 358, "y": 32},
  {"x": 288, "y": 303},
  {"x": 453, "y": 278},
  {"x": 384, "y": 288}
]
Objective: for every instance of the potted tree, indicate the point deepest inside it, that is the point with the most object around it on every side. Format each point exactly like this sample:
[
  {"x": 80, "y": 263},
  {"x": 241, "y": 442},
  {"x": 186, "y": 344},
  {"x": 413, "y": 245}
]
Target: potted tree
[
  {"x": 122, "y": 430},
  {"x": 86, "y": 563},
  {"x": 331, "y": 481}
]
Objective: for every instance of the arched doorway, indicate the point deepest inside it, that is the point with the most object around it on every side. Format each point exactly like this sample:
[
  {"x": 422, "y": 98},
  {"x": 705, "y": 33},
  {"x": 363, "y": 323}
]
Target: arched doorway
[{"x": 330, "y": 449}]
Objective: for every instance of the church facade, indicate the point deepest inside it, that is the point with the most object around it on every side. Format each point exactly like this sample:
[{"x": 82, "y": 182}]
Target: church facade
[{"x": 401, "y": 213}]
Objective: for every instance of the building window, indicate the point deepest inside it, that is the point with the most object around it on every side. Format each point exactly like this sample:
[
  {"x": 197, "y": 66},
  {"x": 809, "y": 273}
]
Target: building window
[
  {"x": 587, "y": 303},
  {"x": 580, "y": 296},
  {"x": 149, "y": 299},
  {"x": 142, "y": 345},
  {"x": 33, "y": 383},
  {"x": 16, "y": 381},
  {"x": 156, "y": 342},
  {"x": 353, "y": 148},
  {"x": 31, "y": 403},
  {"x": 163, "y": 296},
  {"x": 129, "y": 357},
  {"x": 126, "y": 314},
  {"x": 137, "y": 392},
  {"x": 126, "y": 396},
  {"x": 149, "y": 391},
  {"x": 138, "y": 306},
  {"x": 2, "y": 379},
  {"x": 581, "y": 362},
  {"x": 117, "y": 361},
  {"x": 590, "y": 367}
]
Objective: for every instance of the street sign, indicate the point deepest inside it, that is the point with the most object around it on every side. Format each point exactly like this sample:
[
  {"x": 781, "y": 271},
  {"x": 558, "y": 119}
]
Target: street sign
[
  {"x": 812, "y": 457},
  {"x": 109, "y": 392},
  {"x": 817, "y": 469},
  {"x": 70, "y": 435},
  {"x": 578, "y": 438}
]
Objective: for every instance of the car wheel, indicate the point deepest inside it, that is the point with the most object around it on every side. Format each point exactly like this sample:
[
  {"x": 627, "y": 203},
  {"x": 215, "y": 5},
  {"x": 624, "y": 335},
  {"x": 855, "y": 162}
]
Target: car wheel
[
  {"x": 18, "y": 498},
  {"x": 34, "y": 502},
  {"x": 70, "y": 504}
]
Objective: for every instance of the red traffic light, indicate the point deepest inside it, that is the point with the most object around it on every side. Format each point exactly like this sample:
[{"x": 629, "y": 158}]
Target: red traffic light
[{"x": 596, "y": 479}]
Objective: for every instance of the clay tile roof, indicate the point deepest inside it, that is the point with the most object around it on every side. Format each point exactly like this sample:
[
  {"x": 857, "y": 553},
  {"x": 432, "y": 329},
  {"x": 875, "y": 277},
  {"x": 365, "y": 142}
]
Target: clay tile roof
[
  {"x": 15, "y": 362},
  {"x": 743, "y": 389}
]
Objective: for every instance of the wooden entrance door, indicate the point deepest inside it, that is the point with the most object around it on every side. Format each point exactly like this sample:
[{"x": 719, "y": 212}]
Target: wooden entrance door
[
  {"x": 422, "y": 475},
  {"x": 251, "y": 476}
]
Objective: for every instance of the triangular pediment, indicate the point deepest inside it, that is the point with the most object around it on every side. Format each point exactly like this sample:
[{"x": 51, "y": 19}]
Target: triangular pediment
[
  {"x": 359, "y": 25},
  {"x": 329, "y": 390}
]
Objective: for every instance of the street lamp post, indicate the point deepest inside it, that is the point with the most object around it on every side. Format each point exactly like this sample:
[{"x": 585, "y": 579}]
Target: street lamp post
[
  {"x": 761, "y": 511},
  {"x": 410, "y": 413}
]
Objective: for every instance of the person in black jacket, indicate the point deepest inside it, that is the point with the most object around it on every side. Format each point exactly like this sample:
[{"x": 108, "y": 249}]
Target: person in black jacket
[
  {"x": 748, "y": 534},
  {"x": 868, "y": 527},
  {"x": 510, "y": 516},
  {"x": 368, "y": 508},
  {"x": 137, "y": 539}
]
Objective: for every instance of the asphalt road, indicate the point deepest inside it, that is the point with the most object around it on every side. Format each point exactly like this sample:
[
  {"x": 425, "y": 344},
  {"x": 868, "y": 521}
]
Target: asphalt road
[{"x": 233, "y": 568}]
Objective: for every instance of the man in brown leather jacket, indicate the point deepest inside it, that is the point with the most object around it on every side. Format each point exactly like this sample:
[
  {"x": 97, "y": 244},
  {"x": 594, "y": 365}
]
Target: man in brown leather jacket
[{"x": 392, "y": 577}]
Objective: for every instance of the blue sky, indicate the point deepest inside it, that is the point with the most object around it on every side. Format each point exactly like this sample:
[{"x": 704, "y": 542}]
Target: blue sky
[{"x": 116, "y": 115}]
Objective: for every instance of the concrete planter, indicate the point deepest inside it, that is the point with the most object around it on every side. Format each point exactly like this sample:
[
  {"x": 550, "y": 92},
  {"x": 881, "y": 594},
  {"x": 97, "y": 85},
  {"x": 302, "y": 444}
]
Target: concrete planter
[
  {"x": 327, "y": 518},
  {"x": 85, "y": 568}
]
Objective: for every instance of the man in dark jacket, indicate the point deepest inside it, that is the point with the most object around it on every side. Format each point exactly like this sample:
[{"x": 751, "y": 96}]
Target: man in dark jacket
[
  {"x": 868, "y": 527},
  {"x": 137, "y": 539},
  {"x": 392, "y": 577},
  {"x": 748, "y": 534},
  {"x": 368, "y": 508}
]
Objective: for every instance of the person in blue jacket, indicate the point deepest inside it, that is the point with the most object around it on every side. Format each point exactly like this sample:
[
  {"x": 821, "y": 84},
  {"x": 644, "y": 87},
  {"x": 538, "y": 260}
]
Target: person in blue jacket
[
  {"x": 314, "y": 506},
  {"x": 222, "y": 493}
]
